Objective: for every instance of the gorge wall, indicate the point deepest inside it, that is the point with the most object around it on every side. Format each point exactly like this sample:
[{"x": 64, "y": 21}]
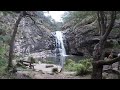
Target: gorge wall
[
  {"x": 81, "y": 38},
  {"x": 32, "y": 36}
]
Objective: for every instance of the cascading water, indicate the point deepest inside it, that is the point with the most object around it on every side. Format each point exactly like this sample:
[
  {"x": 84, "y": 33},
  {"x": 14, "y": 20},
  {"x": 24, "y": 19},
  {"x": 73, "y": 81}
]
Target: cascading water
[
  {"x": 60, "y": 49},
  {"x": 59, "y": 42}
]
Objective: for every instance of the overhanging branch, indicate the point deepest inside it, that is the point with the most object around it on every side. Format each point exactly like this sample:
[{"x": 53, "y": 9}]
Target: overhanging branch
[
  {"x": 35, "y": 23},
  {"x": 112, "y": 20},
  {"x": 107, "y": 62}
]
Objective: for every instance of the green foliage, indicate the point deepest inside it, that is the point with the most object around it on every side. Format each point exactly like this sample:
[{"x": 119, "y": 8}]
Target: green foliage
[
  {"x": 86, "y": 62},
  {"x": 71, "y": 65},
  {"x": 3, "y": 65},
  {"x": 77, "y": 16},
  {"x": 3, "y": 62},
  {"x": 115, "y": 31},
  {"x": 82, "y": 67},
  {"x": 2, "y": 51},
  {"x": 6, "y": 38},
  {"x": 69, "y": 61},
  {"x": 85, "y": 67},
  {"x": 3, "y": 70},
  {"x": 116, "y": 45},
  {"x": 48, "y": 21}
]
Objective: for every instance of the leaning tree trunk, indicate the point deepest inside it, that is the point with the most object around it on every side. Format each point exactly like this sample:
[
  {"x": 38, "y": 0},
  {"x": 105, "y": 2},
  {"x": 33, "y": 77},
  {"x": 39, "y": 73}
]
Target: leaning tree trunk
[
  {"x": 12, "y": 40},
  {"x": 98, "y": 53},
  {"x": 97, "y": 71}
]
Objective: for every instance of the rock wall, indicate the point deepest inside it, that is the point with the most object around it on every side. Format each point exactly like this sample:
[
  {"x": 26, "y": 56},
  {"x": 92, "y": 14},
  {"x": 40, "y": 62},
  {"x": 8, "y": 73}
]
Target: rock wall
[
  {"x": 32, "y": 36},
  {"x": 80, "y": 39}
]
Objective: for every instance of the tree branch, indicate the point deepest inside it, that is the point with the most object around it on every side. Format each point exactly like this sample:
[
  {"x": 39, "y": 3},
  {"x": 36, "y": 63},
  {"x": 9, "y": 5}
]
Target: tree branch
[
  {"x": 35, "y": 23},
  {"x": 112, "y": 20},
  {"x": 107, "y": 62},
  {"x": 105, "y": 18},
  {"x": 102, "y": 22},
  {"x": 99, "y": 22}
]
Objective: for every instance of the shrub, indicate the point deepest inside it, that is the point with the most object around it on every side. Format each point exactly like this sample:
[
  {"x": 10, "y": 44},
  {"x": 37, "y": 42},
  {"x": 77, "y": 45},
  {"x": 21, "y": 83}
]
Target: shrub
[
  {"x": 70, "y": 65},
  {"x": 116, "y": 45},
  {"x": 3, "y": 65},
  {"x": 2, "y": 62},
  {"x": 82, "y": 67},
  {"x": 83, "y": 70},
  {"x": 69, "y": 61}
]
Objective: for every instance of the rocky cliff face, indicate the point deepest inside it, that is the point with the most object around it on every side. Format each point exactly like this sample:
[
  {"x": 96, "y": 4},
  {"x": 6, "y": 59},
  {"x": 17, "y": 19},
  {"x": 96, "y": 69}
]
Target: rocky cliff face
[
  {"x": 81, "y": 38},
  {"x": 32, "y": 36}
]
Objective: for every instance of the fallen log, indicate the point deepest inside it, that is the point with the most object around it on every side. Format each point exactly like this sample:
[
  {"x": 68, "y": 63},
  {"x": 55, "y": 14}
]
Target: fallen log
[
  {"x": 27, "y": 63},
  {"x": 47, "y": 66}
]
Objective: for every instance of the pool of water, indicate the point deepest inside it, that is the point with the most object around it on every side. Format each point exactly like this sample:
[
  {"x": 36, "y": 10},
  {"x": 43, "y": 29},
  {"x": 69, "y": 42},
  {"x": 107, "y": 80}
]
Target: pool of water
[{"x": 54, "y": 60}]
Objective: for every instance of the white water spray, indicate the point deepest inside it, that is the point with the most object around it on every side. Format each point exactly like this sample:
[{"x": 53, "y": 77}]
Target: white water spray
[
  {"x": 60, "y": 49},
  {"x": 59, "y": 42}
]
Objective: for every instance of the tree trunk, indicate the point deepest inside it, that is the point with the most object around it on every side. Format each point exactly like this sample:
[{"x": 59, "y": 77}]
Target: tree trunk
[
  {"x": 12, "y": 40},
  {"x": 98, "y": 53},
  {"x": 97, "y": 71}
]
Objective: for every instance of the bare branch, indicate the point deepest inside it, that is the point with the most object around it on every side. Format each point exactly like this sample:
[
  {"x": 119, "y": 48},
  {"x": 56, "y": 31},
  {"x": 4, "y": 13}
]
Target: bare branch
[
  {"x": 105, "y": 20},
  {"x": 107, "y": 62},
  {"x": 112, "y": 20},
  {"x": 35, "y": 23},
  {"x": 99, "y": 22},
  {"x": 102, "y": 22}
]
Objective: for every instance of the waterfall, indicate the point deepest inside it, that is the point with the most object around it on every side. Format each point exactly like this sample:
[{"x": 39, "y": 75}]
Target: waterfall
[
  {"x": 59, "y": 42},
  {"x": 60, "y": 49}
]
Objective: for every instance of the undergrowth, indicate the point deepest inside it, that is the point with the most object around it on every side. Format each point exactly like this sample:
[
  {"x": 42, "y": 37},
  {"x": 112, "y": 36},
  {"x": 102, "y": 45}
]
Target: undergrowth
[{"x": 83, "y": 67}]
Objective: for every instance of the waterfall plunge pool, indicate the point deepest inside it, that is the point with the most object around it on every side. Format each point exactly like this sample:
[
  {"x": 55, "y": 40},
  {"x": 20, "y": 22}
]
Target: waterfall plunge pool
[{"x": 53, "y": 60}]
